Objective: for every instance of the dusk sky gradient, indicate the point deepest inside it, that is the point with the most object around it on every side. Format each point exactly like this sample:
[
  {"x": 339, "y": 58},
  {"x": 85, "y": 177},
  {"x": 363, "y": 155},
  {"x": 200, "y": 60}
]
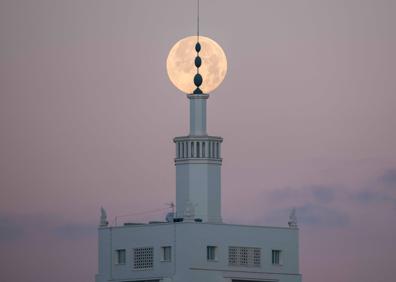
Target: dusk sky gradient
[{"x": 307, "y": 112}]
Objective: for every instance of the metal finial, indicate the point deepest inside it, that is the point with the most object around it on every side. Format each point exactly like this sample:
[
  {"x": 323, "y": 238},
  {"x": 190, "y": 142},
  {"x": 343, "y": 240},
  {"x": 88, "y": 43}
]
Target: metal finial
[{"x": 198, "y": 77}]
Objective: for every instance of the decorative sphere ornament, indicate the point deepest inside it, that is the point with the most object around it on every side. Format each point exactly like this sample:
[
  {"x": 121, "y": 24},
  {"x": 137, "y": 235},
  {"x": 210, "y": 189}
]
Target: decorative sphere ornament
[
  {"x": 198, "y": 80},
  {"x": 197, "y": 47},
  {"x": 182, "y": 60},
  {"x": 198, "y": 61}
]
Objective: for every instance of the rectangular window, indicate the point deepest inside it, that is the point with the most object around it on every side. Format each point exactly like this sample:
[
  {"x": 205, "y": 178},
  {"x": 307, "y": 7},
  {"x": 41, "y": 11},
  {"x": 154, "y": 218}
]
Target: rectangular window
[
  {"x": 211, "y": 253},
  {"x": 166, "y": 253},
  {"x": 143, "y": 258},
  {"x": 120, "y": 256},
  {"x": 244, "y": 256},
  {"x": 276, "y": 256}
]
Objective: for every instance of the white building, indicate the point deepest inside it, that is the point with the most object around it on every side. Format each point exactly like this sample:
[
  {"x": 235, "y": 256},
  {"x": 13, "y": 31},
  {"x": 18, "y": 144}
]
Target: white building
[{"x": 195, "y": 245}]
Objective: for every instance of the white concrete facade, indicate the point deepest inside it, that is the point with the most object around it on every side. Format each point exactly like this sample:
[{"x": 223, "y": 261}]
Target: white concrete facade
[
  {"x": 189, "y": 262},
  {"x": 197, "y": 246}
]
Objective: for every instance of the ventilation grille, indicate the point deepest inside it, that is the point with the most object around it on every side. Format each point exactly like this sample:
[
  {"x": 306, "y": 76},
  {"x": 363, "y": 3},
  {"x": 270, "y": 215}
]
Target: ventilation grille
[
  {"x": 143, "y": 258},
  {"x": 244, "y": 256}
]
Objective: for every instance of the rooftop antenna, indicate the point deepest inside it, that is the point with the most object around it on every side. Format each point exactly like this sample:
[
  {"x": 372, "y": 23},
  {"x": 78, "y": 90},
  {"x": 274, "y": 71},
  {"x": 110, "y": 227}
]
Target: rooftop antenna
[
  {"x": 170, "y": 215},
  {"x": 198, "y": 77},
  {"x": 171, "y": 206}
]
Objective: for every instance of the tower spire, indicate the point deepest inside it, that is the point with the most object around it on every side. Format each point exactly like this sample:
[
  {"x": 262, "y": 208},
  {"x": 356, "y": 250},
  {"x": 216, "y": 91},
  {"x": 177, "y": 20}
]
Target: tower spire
[
  {"x": 197, "y": 20},
  {"x": 198, "y": 155},
  {"x": 198, "y": 77}
]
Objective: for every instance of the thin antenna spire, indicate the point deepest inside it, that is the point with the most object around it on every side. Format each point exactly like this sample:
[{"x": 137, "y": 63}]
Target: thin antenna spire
[
  {"x": 198, "y": 20},
  {"x": 198, "y": 78}
]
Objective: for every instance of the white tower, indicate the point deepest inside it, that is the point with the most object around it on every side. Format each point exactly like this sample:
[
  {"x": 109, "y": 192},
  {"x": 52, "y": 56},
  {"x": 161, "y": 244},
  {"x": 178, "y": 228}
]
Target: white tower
[
  {"x": 198, "y": 159},
  {"x": 198, "y": 166},
  {"x": 183, "y": 248},
  {"x": 195, "y": 245}
]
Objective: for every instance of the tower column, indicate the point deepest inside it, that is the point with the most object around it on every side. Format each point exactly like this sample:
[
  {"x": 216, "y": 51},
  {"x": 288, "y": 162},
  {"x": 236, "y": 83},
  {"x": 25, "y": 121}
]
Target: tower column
[
  {"x": 198, "y": 173},
  {"x": 198, "y": 114}
]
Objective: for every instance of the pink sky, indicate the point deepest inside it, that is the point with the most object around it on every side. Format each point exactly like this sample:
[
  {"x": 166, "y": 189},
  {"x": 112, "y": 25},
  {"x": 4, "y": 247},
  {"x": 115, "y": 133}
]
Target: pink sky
[{"x": 307, "y": 112}]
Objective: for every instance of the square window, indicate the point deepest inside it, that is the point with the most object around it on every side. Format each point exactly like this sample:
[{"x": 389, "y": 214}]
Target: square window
[
  {"x": 120, "y": 256},
  {"x": 211, "y": 253},
  {"x": 166, "y": 253},
  {"x": 276, "y": 256}
]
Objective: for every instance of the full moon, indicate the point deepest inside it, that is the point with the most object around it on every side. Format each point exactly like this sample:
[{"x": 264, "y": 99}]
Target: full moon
[{"x": 181, "y": 69}]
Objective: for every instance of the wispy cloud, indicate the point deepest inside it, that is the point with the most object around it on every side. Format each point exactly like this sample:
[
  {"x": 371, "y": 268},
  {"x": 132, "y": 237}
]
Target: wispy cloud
[
  {"x": 319, "y": 215},
  {"x": 310, "y": 215},
  {"x": 370, "y": 196},
  {"x": 381, "y": 191},
  {"x": 17, "y": 227},
  {"x": 316, "y": 205},
  {"x": 389, "y": 178},
  {"x": 323, "y": 194},
  {"x": 323, "y": 205},
  {"x": 10, "y": 230},
  {"x": 73, "y": 231},
  {"x": 316, "y": 193}
]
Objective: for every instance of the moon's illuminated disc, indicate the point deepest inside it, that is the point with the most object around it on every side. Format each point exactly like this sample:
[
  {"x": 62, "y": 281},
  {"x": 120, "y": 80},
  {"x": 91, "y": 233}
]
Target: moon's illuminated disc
[{"x": 181, "y": 68}]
